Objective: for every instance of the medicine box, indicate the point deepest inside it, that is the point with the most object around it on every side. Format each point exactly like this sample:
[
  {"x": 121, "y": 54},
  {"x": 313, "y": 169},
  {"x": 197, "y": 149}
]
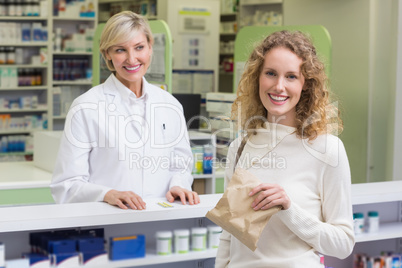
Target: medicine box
[
  {"x": 90, "y": 244},
  {"x": 46, "y": 147},
  {"x": 18, "y": 263},
  {"x": 61, "y": 246},
  {"x": 2, "y": 256},
  {"x": 127, "y": 247},
  {"x": 65, "y": 260},
  {"x": 94, "y": 258},
  {"x": 37, "y": 260}
]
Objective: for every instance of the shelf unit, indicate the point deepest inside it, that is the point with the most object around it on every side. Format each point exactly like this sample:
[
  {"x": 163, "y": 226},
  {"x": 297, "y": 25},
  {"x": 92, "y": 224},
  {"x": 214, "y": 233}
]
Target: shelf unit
[
  {"x": 200, "y": 139},
  {"x": 70, "y": 89},
  {"x": 147, "y": 8},
  {"x": 229, "y": 24},
  {"x": 254, "y": 12},
  {"x": 44, "y": 92},
  {"x": 10, "y": 88},
  {"x": 14, "y": 228},
  {"x": 386, "y": 198}
]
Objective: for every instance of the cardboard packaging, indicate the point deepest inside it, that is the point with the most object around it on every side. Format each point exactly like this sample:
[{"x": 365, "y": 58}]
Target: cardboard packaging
[{"x": 127, "y": 247}]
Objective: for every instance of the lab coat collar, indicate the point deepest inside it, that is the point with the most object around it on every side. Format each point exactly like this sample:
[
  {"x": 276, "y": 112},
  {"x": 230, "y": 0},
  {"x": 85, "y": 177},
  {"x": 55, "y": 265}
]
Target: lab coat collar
[{"x": 113, "y": 86}]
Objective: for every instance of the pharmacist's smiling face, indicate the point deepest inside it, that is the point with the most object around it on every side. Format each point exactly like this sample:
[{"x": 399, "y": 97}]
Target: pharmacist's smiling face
[{"x": 131, "y": 60}]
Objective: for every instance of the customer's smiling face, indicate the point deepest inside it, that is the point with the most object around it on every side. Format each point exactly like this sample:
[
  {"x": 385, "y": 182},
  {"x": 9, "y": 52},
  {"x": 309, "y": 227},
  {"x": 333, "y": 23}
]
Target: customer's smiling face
[{"x": 280, "y": 85}]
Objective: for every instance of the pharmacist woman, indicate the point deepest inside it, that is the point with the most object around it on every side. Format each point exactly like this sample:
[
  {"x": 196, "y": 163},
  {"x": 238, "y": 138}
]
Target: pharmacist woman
[{"x": 124, "y": 140}]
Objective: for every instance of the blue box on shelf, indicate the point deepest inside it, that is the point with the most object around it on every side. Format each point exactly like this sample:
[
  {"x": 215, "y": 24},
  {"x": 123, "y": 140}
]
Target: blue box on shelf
[
  {"x": 88, "y": 244},
  {"x": 127, "y": 247}
]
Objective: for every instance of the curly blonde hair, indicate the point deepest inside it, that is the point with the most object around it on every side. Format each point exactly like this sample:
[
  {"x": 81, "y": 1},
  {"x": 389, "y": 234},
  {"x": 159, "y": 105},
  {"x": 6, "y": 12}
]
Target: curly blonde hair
[{"x": 314, "y": 113}]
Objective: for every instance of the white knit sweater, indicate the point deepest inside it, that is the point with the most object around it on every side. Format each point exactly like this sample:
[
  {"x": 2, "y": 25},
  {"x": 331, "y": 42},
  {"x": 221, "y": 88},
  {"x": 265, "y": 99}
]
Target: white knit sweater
[{"x": 316, "y": 177}]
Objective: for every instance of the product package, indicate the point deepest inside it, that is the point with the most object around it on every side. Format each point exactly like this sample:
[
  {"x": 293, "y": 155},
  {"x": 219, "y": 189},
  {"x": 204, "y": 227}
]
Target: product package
[
  {"x": 234, "y": 213},
  {"x": 2, "y": 256},
  {"x": 127, "y": 247}
]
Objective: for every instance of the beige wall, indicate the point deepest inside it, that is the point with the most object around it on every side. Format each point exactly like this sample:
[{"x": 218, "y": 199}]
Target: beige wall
[{"x": 362, "y": 75}]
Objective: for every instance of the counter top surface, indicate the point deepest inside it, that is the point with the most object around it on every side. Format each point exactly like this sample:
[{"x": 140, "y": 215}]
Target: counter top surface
[
  {"x": 18, "y": 175},
  {"x": 376, "y": 192},
  {"x": 40, "y": 217}
]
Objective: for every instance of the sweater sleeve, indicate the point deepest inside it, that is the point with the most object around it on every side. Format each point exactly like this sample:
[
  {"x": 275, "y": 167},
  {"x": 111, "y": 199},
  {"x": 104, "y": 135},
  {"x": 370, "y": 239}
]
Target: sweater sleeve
[{"x": 334, "y": 235}]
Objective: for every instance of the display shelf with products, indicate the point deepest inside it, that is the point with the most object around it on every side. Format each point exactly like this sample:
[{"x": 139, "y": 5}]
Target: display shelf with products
[
  {"x": 24, "y": 75},
  {"x": 203, "y": 171},
  {"x": 386, "y": 199},
  {"x": 73, "y": 27},
  {"x": 22, "y": 220},
  {"x": 108, "y": 8},
  {"x": 260, "y": 13},
  {"x": 228, "y": 30}
]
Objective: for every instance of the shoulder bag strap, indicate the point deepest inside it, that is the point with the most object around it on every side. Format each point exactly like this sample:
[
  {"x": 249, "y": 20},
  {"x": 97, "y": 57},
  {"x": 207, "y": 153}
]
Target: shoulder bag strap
[{"x": 240, "y": 150}]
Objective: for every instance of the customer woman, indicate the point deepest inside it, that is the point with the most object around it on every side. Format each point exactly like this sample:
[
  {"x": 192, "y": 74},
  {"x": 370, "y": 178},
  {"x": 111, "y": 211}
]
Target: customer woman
[
  {"x": 124, "y": 140},
  {"x": 284, "y": 107}
]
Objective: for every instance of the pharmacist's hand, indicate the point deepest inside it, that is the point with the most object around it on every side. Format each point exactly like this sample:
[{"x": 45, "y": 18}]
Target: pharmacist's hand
[
  {"x": 124, "y": 200},
  {"x": 177, "y": 192},
  {"x": 268, "y": 196}
]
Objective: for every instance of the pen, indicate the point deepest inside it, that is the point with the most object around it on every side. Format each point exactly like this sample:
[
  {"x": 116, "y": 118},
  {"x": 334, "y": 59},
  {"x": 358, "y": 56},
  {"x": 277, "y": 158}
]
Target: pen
[
  {"x": 165, "y": 205},
  {"x": 168, "y": 205},
  {"x": 161, "y": 204},
  {"x": 163, "y": 126}
]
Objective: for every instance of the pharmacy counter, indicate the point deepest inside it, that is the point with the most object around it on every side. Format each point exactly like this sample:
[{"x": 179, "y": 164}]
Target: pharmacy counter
[
  {"x": 51, "y": 216},
  {"x": 24, "y": 183},
  {"x": 22, "y": 220}
]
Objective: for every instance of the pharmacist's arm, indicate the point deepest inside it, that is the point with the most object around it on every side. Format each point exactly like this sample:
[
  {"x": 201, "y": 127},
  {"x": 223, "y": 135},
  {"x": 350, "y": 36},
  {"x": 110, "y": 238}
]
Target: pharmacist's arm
[{"x": 70, "y": 182}]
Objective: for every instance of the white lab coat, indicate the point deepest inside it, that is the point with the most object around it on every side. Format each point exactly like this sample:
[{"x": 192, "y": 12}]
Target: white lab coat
[{"x": 109, "y": 142}]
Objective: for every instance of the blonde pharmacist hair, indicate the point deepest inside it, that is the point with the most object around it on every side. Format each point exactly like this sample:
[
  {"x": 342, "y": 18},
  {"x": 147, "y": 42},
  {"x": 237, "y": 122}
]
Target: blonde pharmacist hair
[{"x": 121, "y": 28}]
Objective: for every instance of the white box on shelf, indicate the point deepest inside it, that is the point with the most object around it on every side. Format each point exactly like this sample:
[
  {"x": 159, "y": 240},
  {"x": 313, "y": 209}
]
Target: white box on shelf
[
  {"x": 2, "y": 255},
  {"x": 46, "y": 147},
  {"x": 17, "y": 263}
]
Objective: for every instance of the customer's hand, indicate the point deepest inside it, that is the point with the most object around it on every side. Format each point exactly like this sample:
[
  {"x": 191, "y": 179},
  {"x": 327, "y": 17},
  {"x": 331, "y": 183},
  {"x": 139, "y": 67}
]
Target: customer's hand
[
  {"x": 269, "y": 195},
  {"x": 184, "y": 194},
  {"x": 124, "y": 200}
]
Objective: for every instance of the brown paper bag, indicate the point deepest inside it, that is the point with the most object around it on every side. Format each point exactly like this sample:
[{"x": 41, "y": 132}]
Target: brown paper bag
[{"x": 234, "y": 213}]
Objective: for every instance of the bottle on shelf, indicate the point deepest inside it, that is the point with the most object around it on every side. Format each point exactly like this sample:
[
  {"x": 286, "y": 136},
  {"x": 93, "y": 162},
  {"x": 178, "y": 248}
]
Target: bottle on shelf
[
  {"x": 198, "y": 156},
  {"x": 208, "y": 159}
]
